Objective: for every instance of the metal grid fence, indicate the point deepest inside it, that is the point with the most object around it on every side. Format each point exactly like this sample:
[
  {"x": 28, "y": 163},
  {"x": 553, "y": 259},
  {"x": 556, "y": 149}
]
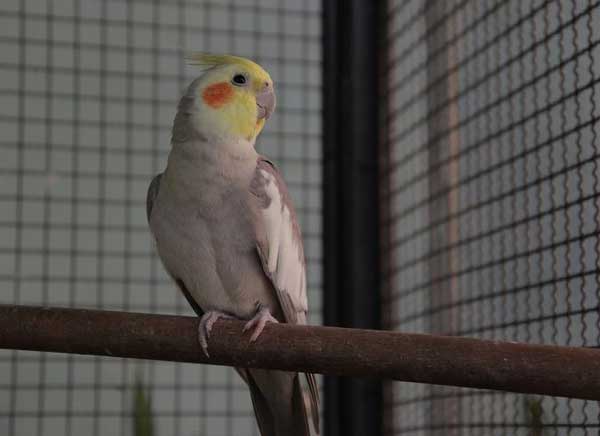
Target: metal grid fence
[
  {"x": 88, "y": 93},
  {"x": 490, "y": 190}
]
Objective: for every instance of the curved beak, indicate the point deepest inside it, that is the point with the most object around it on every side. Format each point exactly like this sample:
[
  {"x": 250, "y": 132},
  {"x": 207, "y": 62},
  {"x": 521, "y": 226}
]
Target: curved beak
[{"x": 265, "y": 102}]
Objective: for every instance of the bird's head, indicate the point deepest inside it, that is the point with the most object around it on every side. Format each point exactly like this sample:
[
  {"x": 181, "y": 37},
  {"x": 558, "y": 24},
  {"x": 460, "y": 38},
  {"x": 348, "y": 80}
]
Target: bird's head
[{"x": 230, "y": 101}]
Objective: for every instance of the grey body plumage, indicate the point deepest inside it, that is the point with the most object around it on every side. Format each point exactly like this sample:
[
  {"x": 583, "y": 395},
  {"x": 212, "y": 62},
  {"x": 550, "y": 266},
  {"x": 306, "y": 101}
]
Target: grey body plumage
[{"x": 212, "y": 214}]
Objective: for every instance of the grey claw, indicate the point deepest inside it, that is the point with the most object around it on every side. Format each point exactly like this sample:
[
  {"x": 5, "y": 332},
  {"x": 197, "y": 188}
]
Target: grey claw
[
  {"x": 205, "y": 327},
  {"x": 258, "y": 322}
]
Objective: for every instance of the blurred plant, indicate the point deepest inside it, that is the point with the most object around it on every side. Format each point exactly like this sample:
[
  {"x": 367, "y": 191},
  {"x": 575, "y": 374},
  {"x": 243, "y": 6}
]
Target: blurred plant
[
  {"x": 534, "y": 413},
  {"x": 142, "y": 410}
]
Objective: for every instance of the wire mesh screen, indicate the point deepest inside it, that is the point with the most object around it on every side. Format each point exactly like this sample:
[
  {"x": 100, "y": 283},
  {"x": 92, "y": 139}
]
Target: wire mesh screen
[
  {"x": 89, "y": 90},
  {"x": 490, "y": 184}
]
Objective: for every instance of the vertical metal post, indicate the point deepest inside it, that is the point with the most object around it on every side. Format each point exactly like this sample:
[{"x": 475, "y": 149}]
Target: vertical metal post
[{"x": 351, "y": 191}]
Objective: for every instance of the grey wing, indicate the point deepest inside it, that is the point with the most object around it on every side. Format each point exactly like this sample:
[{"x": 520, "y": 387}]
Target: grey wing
[
  {"x": 279, "y": 246},
  {"x": 152, "y": 193},
  {"x": 279, "y": 242}
]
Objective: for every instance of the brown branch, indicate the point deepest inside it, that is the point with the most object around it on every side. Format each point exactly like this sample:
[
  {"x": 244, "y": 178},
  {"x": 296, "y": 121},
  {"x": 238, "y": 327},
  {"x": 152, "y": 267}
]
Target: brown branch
[{"x": 559, "y": 371}]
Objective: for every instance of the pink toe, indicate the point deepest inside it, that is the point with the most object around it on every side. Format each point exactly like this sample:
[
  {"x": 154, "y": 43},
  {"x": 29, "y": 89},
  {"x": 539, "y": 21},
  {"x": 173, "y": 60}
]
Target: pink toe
[
  {"x": 248, "y": 325},
  {"x": 259, "y": 329}
]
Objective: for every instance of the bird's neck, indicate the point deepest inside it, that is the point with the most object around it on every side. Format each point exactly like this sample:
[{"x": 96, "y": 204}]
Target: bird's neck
[{"x": 196, "y": 164}]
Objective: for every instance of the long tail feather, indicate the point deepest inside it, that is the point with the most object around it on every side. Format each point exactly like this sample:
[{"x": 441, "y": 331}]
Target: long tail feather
[{"x": 278, "y": 401}]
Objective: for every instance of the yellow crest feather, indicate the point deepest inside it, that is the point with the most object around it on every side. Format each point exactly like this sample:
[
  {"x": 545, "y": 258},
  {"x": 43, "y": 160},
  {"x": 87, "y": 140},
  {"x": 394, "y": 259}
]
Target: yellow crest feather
[{"x": 212, "y": 60}]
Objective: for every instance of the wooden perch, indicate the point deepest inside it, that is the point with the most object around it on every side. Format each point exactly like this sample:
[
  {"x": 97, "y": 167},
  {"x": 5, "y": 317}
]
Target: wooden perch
[{"x": 507, "y": 366}]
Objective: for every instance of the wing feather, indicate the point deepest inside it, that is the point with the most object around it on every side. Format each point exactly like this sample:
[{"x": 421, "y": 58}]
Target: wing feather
[
  {"x": 281, "y": 250},
  {"x": 282, "y": 254}
]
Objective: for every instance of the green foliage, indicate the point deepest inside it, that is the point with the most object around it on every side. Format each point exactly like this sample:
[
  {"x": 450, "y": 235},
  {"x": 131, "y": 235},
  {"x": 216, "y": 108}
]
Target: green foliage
[
  {"x": 534, "y": 413},
  {"x": 142, "y": 408}
]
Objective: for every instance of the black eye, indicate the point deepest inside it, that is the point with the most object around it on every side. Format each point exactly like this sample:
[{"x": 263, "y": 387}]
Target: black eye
[{"x": 239, "y": 79}]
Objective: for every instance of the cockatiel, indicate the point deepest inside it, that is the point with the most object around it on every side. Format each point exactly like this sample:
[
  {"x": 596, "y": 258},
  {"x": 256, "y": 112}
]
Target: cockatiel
[{"x": 226, "y": 230}]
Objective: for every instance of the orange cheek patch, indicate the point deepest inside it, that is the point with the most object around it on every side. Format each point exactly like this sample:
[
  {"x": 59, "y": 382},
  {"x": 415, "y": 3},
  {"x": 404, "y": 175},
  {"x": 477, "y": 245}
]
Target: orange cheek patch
[{"x": 218, "y": 94}]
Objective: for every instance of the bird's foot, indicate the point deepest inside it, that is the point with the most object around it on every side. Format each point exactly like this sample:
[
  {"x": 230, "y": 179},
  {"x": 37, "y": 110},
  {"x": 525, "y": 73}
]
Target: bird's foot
[
  {"x": 258, "y": 321},
  {"x": 205, "y": 326}
]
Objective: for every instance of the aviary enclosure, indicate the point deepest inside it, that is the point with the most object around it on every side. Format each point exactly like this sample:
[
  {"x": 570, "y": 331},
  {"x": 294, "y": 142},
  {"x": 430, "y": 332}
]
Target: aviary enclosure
[{"x": 443, "y": 158}]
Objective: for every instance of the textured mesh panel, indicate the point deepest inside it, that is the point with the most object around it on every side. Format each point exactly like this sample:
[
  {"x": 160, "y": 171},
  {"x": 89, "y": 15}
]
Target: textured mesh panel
[
  {"x": 491, "y": 188},
  {"x": 88, "y": 94}
]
